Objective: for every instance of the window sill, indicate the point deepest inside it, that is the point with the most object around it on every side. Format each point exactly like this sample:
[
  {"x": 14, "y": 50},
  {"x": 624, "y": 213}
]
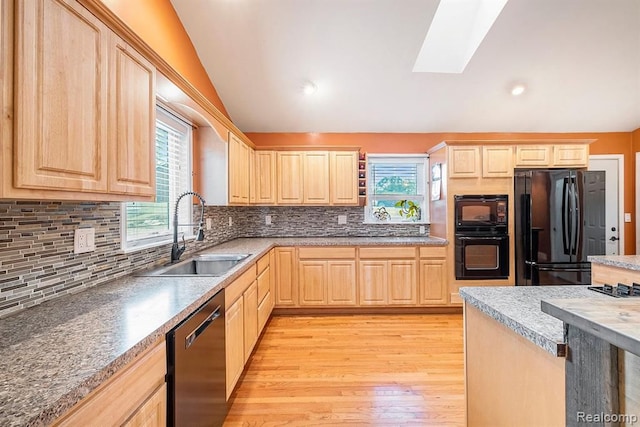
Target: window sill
[{"x": 151, "y": 245}]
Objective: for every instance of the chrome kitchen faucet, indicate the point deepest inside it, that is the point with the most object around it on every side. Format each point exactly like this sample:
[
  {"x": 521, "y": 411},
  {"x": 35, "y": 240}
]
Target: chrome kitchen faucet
[{"x": 176, "y": 250}]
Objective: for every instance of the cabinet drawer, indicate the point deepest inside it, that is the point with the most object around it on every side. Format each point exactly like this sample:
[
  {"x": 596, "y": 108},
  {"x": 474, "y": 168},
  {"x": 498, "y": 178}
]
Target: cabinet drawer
[
  {"x": 327, "y": 253},
  {"x": 235, "y": 290},
  {"x": 388, "y": 252},
  {"x": 264, "y": 283},
  {"x": 433, "y": 252},
  {"x": 263, "y": 263},
  {"x": 264, "y": 311},
  {"x": 120, "y": 396}
]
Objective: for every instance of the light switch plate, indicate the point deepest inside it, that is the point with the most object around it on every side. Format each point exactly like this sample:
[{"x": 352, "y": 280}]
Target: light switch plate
[
  {"x": 267, "y": 219},
  {"x": 627, "y": 217},
  {"x": 84, "y": 240},
  {"x": 342, "y": 219},
  {"x": 422, "y": 229}
]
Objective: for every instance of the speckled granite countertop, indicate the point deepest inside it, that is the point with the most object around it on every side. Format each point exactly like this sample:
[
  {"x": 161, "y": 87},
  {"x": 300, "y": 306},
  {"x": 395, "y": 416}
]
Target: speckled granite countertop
[
  {"x": 54, "y": 354},
  {"x": 519, "y": 308},
  {"x": 614, "y": 320},
  {"x": 630, "y": 262}
]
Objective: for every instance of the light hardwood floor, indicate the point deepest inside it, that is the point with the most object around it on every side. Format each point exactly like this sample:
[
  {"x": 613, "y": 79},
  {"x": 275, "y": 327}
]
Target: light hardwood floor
[{"x": 391, "y": 370}]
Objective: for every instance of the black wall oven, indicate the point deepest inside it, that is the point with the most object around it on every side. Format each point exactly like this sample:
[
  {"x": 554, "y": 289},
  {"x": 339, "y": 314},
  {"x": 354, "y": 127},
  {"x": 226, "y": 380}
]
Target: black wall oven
[{"x": 481, "y": 237}]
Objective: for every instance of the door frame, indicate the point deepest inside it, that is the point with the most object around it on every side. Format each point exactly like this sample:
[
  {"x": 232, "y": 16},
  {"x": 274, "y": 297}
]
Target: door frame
[{"x": 621, "y": 223}]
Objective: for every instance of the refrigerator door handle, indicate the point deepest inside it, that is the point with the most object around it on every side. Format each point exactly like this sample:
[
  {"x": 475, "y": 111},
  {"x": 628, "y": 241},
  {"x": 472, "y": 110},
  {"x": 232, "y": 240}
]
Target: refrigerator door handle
[
  {"x": 566, "y": 244},
  {"x": 576, "y": 213}
]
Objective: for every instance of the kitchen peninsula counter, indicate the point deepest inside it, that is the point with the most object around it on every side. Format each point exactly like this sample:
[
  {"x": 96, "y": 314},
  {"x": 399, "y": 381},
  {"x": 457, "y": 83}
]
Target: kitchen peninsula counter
[
  {"x": 55, "y": 354},
  {"x": 514, "y": 354}
]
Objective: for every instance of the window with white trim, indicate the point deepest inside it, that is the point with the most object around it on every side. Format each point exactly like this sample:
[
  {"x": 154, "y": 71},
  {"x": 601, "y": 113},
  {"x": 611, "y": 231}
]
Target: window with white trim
[
  {"x": 147, "y": 224},
  {"x": 397, "y": 189}
]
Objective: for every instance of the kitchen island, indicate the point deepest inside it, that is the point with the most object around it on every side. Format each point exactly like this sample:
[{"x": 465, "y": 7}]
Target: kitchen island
[
  {"x": 514, "y": 355},
  {"x": 56, "y": 354},
  {"x": 603, "y": 338}
]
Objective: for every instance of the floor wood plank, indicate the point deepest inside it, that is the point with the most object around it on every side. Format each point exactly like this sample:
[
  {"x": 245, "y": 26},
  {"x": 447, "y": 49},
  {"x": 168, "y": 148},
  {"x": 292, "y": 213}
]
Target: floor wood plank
[{"x": 376, "y": 370}]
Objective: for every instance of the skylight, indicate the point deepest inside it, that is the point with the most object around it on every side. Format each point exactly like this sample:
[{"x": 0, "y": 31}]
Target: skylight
[{"x": 457, "y": 29}]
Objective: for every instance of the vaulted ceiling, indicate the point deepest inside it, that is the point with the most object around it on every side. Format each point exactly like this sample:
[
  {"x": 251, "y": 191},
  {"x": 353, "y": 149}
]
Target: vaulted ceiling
[{"x": 579, "y": 61}]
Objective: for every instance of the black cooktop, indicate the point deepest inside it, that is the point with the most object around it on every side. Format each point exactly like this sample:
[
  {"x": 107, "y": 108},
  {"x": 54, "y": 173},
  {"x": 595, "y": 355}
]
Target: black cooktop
[{"x": 619, "y": 291}]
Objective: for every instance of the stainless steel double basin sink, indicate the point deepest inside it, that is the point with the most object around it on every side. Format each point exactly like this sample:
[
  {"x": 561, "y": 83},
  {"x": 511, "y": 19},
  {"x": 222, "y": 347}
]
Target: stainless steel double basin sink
[{"x": 200, "y": 265}]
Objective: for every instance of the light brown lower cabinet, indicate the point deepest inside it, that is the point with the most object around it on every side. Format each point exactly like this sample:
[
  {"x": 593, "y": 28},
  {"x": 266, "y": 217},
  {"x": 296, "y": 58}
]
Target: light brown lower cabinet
[
  {"x": 361, "y": 276},
  {"x": 234, "y": 343},
  {"x": 388, "y": 282},
  {"x": 135, "y": 395},
  {"x": 249, "y": 303}
]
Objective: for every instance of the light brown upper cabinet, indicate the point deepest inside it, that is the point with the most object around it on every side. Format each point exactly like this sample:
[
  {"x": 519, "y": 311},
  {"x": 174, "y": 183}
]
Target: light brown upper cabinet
[
  {"x": 265, "y": 177},
  {"x": 290, "y": 177},
  {"x": 343, "y": 177},
  {"x": 239, "y": 162},
  {"x": 497, "y": 161},
  {"x": 132, "y": 164},
  {"x": 315, "y": 178},
  {"x": 571, "y": 155},
  {"x": 464, "y": 161},
  {"x": 562, "y": 155},
  {"x": 84, "y": 107}
]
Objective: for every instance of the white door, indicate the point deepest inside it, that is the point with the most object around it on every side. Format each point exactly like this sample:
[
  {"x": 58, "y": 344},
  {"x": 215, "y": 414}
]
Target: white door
[{"x": 613, "y": 166}]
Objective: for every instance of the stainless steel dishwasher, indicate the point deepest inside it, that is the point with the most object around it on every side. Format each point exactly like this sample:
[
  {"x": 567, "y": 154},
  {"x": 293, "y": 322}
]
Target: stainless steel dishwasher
[{"x": 196, "y": 368}]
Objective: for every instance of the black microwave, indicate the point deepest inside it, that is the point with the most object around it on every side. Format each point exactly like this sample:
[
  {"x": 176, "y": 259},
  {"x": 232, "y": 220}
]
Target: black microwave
[{"x": 479, "y": 213}]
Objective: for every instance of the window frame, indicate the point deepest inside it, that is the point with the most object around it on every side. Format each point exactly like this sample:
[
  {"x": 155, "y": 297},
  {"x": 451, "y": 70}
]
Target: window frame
[
  {"x": 168, "y": 117},
  {"x": 423, "y": 198}
]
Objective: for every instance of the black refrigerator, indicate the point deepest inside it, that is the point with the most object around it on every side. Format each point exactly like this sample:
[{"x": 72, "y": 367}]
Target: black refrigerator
[{"x": 559, "y": 222}]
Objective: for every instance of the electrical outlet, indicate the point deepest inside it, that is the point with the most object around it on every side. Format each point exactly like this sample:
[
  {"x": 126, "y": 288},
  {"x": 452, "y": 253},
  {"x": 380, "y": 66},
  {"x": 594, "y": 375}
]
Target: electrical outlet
[
  {"x": 267, "y": 220},
  {"x": 230, "y": 222},
  {"x": 422, "y": 229},
  {"x": 342, "y": 219},
  {"x": 84, "y": 240},
  {"x": 208, "y": 222}
]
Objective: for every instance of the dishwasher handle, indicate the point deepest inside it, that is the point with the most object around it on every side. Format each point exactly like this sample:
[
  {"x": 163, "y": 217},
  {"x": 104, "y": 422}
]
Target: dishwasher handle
[{"x": 191, "y": 338}]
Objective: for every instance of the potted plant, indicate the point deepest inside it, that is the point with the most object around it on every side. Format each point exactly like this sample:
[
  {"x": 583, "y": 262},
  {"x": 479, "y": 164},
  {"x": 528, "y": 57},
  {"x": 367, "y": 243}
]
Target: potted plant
[{"x": 408, "y": 209}]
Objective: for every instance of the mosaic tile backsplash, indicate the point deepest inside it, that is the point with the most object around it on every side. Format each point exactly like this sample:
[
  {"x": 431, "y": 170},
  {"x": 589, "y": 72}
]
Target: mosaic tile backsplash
[{"x": 37, "y": 262}]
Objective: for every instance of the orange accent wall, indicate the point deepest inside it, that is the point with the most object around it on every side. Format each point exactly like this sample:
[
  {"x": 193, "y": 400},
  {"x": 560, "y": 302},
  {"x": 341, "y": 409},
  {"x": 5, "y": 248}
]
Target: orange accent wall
[
  {"x": 626, "y": 143},
  {"x": 172, "y": 43}
]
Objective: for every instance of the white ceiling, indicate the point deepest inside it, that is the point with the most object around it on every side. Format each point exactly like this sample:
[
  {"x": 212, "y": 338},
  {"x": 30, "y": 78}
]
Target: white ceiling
[{"x": 580, "y": 61}]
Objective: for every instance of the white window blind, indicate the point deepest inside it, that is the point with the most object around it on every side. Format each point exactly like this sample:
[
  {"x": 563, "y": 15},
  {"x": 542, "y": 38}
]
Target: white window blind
[
  {"x": 151, "y": 223},
  {"x": 393, "y": 179}
]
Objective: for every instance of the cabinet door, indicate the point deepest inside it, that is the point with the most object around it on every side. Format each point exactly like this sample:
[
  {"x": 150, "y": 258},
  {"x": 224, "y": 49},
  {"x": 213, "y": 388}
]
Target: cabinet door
[
  {"x": 132, "y": 123},
  {"x": 402, "y": 282},
  {"x": 234, "y": 344},
  {"x": 238, "y": 171},
  {"x": 272, "y": 273},
  {"x": 286, "y": 282},
  {"x": 316, "y": 178},
  {"x": 571, "y": 155},
  {"x": 533, "y": 155},
  {"x": 341, "y": 283},
  {"x": 433, "y": 281},
  {"x": 61, "y": 97},
  {"x": 250, "y": 308},
  {"x": 289, "y": 177},
  {"x": 464, "y": 162},
  {"x": 265, "y": 181},
  {"x": 343, "y": 177},
  {"x": 313, "y": 282},
  {"x": 497, "y": 162},
  {"x": 153, "y": 412},
  {"x": 252, "y": 176},
  {"x": 373, "y": 282}
]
